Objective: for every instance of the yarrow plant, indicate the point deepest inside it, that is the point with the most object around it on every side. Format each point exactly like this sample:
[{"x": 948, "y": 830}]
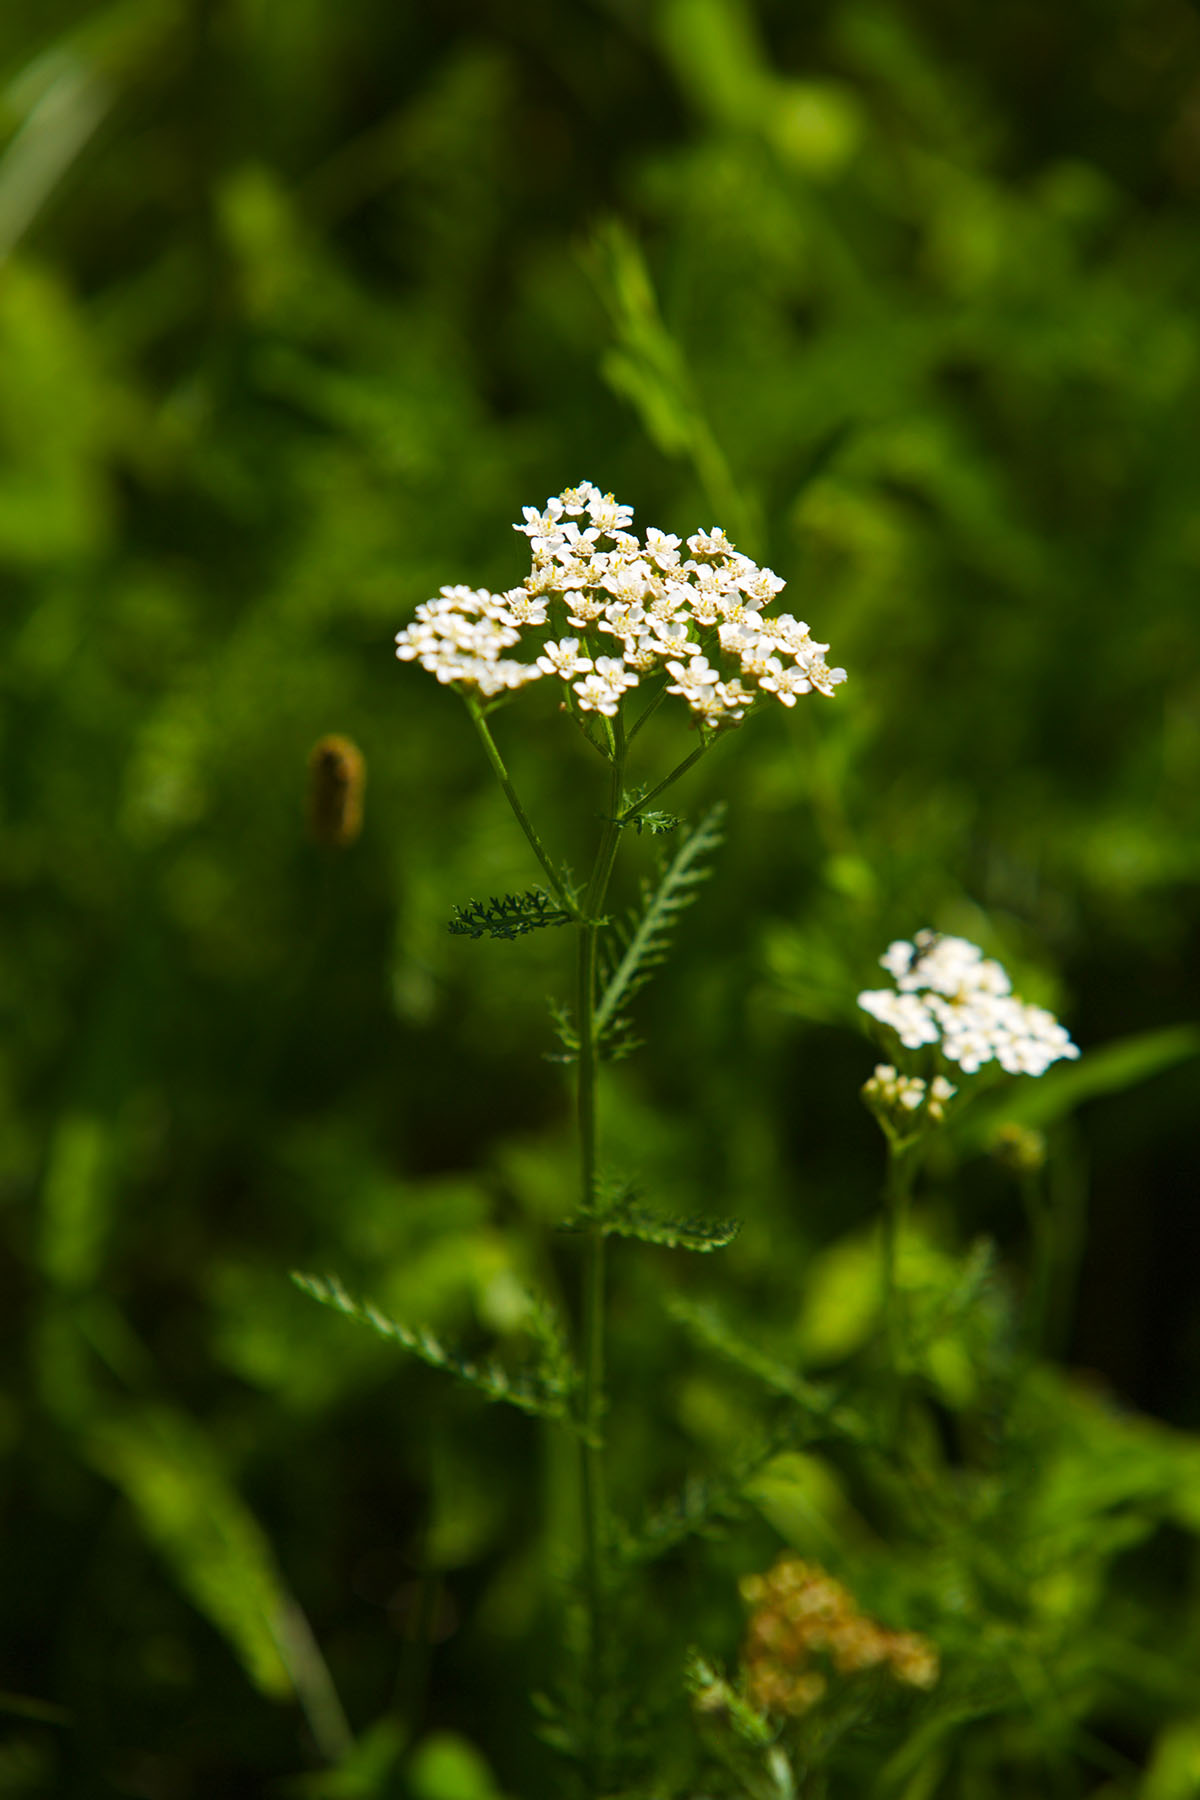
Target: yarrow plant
[
  {"x": 913, "y": 1471},
  {"x": 951, "y": 1000},
  {"x": 617, "y": 624}
]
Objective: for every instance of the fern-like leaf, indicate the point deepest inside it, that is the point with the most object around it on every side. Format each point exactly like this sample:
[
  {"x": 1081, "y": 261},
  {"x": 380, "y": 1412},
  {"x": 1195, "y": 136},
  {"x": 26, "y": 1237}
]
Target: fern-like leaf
[
  {"x": 627, "y": 1217},
  {"x": 507, "y": 916},
  {"x": 820, "y": 1403},
  {"x": 546, "y": 1391},
  {"x": 718, "y": 1701},
  {"x": 635, "y": 949},
  {"x": 564, "y": 1030},
  {"x": 658, "y": 824},
  {"x": 705, "y": 1504}
]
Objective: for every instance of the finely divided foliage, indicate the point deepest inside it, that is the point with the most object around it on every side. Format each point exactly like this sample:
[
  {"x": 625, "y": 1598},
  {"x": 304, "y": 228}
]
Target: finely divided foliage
[
  {"x": 509, "y": 916},
  {"x": 600, "y": 610},
  {"x": 546, "y": 1390},
  {"x": 636, "y": 946}
]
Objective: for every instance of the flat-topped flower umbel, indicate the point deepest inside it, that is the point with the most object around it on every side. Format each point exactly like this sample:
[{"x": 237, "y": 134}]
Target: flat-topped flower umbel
[
  {"x": 947, "y": 993},
  {"x": 600, "y": 610}
]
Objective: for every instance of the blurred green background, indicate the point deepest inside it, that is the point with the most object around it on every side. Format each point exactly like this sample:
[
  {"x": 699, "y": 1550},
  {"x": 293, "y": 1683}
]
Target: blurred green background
[{"x": 299, "y": 304}]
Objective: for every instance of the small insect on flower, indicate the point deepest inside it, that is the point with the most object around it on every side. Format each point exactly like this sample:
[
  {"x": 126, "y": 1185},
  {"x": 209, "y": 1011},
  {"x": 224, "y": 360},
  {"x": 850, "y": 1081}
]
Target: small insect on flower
[{"x": 337, "y": 775}]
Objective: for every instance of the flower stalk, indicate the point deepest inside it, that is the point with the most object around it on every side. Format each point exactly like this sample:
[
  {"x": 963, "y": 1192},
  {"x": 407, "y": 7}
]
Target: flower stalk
[{"x": 902, "y": 1160}]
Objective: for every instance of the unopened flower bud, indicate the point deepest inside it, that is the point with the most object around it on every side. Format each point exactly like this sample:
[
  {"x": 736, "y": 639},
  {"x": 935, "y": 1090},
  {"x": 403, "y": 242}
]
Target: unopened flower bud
[
  {"x": 337, "y": 775},
  {"x": 1018, "y": 1149}
]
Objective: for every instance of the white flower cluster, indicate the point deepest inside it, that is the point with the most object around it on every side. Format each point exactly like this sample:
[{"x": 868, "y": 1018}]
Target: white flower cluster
[
  {"x": 896, "y": 1094},
  {"x": 948, "y": 994},
  {"x": 634, "y": 608}
]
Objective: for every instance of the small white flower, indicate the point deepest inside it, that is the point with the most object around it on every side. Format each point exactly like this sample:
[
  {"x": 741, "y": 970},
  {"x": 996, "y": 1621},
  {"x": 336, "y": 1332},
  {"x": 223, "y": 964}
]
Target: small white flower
[
  {"x": 671, "y": 633},
  {"x": 902, "y": 1013},
  {"x": 711, "y": 543},
  {"x": 641, "y": 651},
  {"x": 575, "y": 572},
  {"x": 941, "y": 1092},
  {"x": 541, "y": 524},
  {"x": 561, "y": 657},
  {"x": 735, "y": 699},
  {"x": 624, "y": 620},
  {"x": 519, "y": 607},
  {"x": 584, "y": 609},
  {"x": 760, "y": 586},
  {"x": 465, "y": 599},
  {"x": 577, "y": 499},
  {"x": 662, "y": 548},
  {"x": 897, "y": 958},
  {"x": 607, "y": 516},
  {"x": 707, "y": 607},
  {"x": 494, "y": 677},
  {"x": 821, "y": 679},
  {"x": 544, "y": 578},
  {"x": 573, "y": 543},
  {"x": 613, "y": 670},
  {"x": 752, "y": 647},
  {"x": 628, "y": 582},
  {"x": 601, "y": 692},
  {"x": 697, "y": 673},
  {"x": 793, "y": 635},
  {"x": 785, "y": 684}
]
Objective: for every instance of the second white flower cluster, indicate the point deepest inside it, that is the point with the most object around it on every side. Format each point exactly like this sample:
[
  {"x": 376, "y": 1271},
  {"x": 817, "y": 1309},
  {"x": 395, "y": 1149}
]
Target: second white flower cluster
[
  {"x": 889, "y": 1092},
  {"x": 947, "y": 993},
  {"x": 594, "y": 586}
]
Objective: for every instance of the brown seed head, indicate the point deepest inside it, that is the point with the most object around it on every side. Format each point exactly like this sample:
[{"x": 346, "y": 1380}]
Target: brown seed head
[{"x": 337, "y": 775}]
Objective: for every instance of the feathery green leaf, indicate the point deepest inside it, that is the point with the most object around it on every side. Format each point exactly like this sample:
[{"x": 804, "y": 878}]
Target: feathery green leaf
[
  {"x": 507, "y": 916},
  {"x": 545, "y": 1391},
  {"x": 707, "y": 1327},
  {"x": 634, "y": 949},
  {"x": 629, "y": 1218}
]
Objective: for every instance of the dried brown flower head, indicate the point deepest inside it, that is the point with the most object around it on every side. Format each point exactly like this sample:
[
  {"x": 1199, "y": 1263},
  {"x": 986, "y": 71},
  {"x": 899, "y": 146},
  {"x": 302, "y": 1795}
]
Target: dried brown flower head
[{"x": 804, "y": 1627}]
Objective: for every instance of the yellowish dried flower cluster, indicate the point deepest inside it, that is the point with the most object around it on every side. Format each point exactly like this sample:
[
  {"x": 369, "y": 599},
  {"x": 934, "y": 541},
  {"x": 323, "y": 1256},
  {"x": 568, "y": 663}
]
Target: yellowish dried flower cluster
[{"x": 805, "y": 1626}]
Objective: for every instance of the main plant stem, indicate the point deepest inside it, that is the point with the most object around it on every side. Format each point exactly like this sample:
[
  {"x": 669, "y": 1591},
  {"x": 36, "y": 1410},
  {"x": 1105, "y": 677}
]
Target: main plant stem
[
  {"x": 588, "y": 915},
  {"x": 595, "y": 1523}
]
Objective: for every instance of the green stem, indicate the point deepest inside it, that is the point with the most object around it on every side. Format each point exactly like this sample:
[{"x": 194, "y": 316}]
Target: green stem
[
  {"x": 595, "y": 1528},
  {"x": 901, "y": 1172},
  {"x": 312, "y": 1681},
  {"x": 679, "y": 769},
  {"x": 644, "y": 717},
  {"x": 1040, "y": 1220},
  {"x": 522, "y": 817}
]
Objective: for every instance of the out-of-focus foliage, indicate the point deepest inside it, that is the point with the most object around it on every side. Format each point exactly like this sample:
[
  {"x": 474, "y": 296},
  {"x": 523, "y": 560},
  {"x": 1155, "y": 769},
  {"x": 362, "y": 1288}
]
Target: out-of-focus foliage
[{"x": 299, "y": 304}]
